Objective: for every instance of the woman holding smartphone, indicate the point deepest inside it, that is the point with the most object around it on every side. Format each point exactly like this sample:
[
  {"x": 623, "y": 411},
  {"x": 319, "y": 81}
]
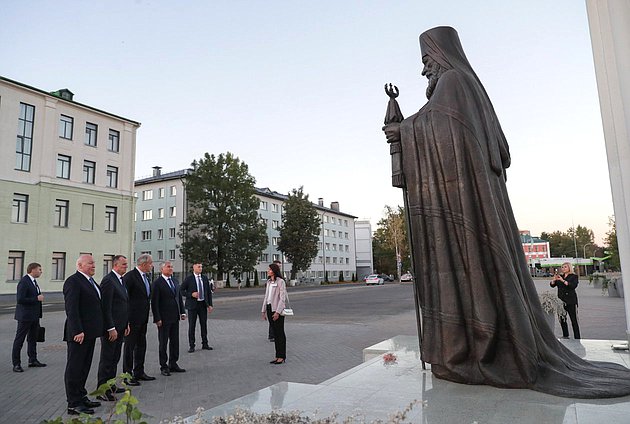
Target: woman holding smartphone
[
  {"x": 567, "y": 282},
  {"x": 272, "y": 307}
]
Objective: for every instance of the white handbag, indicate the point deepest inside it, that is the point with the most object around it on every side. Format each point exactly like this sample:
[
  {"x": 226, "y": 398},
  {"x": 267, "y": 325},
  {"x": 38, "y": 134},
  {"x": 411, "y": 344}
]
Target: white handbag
[{"x": 287, "y": 312}]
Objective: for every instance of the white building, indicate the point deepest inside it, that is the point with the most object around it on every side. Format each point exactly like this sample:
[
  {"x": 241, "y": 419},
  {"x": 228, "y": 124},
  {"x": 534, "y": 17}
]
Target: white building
[
  {"x": 161, "y": 208},
  {"x": 365, "y": 256},
  {"x": 66, "y": 183}
]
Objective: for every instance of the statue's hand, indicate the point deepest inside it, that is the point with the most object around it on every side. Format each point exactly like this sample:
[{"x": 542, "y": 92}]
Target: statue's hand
[{"x": 392, "y": 132}]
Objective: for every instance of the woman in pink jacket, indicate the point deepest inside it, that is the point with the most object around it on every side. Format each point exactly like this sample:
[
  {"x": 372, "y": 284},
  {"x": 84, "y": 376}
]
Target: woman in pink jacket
[{"x": 272, "y": 307}]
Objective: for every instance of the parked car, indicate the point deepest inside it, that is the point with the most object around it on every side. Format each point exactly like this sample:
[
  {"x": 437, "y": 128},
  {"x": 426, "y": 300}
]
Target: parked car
[
  {"x": 374, "y": 279},
  {"x": 386, "y": 277},
  {"x": 406, "y": 277}
]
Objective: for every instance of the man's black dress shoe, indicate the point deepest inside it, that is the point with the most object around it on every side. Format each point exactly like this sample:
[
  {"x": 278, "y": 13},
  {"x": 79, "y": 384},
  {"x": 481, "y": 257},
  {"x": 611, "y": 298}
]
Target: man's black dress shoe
[
  {"x": 206, "y": 347},
  {"x": 90, "y": 403},
  {"x": 132, "y": 382},
  {"x": 191, "y": 350},
  {"x": 165, "y": 372},
  {"x": 118, "y": 389},
  {"x": 145, "y": 377},
  {"x": 107, "y": 397},
  {"x": 78, "y": 410},
  {"x": 18, "y": 368},
  {"x": 177, "y": 369},
  {"x": 36, "y": 363}
]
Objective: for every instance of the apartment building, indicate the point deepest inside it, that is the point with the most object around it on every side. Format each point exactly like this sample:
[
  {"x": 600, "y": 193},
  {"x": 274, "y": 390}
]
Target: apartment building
[
  {"x": 161, "y": 208},
  {"x": 66, "y": 183},
  {"x": 365, "y": 255}
]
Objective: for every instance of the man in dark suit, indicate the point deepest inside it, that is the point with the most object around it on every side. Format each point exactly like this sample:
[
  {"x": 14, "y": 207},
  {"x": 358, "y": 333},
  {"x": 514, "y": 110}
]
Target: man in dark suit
[
  {"x": 28, "y": 311},
  {"x": 84, "y": 324},
  {"x": 168, "y": 310},
  {"x": 139, "y": 290},
  {"x": 196, "y": 288},
  {"x": 116, "y": 320}
]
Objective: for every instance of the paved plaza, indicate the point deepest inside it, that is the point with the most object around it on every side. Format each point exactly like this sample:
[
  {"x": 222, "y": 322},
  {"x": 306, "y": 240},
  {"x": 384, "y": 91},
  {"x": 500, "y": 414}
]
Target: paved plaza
[{"x": 319, "y": 350}]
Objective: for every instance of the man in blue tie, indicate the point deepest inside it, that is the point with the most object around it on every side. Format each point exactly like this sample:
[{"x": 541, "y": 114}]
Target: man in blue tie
[
  {"x": 196, "y": 288},
  {"x": 138, "y": 288},
  {"x": 27, "y": 313},
  {"x": 168, "y": 310}
]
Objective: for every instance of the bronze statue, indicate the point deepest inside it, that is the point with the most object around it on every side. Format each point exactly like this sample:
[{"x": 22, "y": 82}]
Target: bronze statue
[{"x": 481, "y": 317}]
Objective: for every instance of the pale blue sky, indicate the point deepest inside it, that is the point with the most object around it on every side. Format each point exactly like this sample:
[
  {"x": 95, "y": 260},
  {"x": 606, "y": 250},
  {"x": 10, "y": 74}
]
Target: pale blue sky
[{"x": 295, "y": 88}]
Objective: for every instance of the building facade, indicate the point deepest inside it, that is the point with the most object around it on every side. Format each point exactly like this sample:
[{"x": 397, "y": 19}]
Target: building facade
[
  {"x": 66, "y": 184},
  {"x": 161, "y": 208},
  {"x": 535, "y": 250},
  {"x": 365, "y": 255}
]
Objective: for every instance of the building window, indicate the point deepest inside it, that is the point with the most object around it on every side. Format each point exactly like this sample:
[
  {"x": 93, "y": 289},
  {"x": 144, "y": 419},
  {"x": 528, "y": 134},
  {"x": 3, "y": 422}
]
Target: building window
[
  {"x": 265, "y": 221},
  {"x": 66, "y": 123},
  {"x": 147, "y": 194},
  {"x": 347, "y": 248},
  {"x": 326, "y": 219},
  {"x": 274, "y": 240},
  {"x": 160, "y": 234},
  {"x": 63, "y": 166},
  {"x": 111, "y": 218},
  {"x": 327, "y": 232},
  {"x": 275, "y": 224},
  {"x": 345, "y": 222},
  {"x": 171, "y": 254},
  {"x": 327, "y": 259},
  {"x": 171, "y": 233},
  {"x": 58, "y": 270},
  {"x": 345, "y": 235},
  {"x": 327, "y": 246},
  {"x": 161, "y": 192},
  {"x": 24, "y": 143},
  {"x": 172, "y": 211},
  {"x": 108, "y": 264},
  {"x": 334, "y": 246},
  {"x": 147, "y": 215},
  {"x": 89, "y": 169},
  {"x": 347, "y": 261},
  {"x": 113, "y": 142},
  {"x": 334, "y": 221},
  {"x": 320, "y": 259},
  {"x": 15, "y": 268},
  {"x": 160, "y": 255},
  {"x": 334, "y": 260},
  {"x": 146, "y": 235},
  {"x": 263, "y": 275},
  {"x": 275, "y": 257},
  {"x": 90, "y": 134},
  {"x": 264, "y": 257},
  {"x": 274, "y": 207},
  {"x": 334, "y": 233},
  {"x": 112, "y": 176},
  {"x": 61, "y": 213},
  {"x": 87, "y": 216},
  {"x": 263, "y": 205},
  {"x": 19, "y": 213},
  {"x": 173, "y": 191},
  {"x": 161, "y": 213}
]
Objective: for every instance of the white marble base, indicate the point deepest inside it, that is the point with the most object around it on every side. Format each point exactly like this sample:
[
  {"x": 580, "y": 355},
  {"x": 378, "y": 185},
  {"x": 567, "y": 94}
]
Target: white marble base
[{"x": 376, "y": 390}]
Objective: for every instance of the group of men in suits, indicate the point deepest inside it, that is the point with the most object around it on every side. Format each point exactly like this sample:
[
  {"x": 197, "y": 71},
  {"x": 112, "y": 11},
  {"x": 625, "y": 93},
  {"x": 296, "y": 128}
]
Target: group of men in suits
[{"x": 118, "y": 310}]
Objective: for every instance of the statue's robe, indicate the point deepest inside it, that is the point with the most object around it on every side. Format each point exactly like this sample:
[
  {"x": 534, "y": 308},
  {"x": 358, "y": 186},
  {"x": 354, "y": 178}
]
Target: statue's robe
[{"x": 482, "y": 322}]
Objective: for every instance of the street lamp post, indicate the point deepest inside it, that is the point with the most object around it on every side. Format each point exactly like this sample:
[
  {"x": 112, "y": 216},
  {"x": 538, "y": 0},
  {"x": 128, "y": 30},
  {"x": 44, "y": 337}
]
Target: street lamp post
[{"x": 584, "y": 256}]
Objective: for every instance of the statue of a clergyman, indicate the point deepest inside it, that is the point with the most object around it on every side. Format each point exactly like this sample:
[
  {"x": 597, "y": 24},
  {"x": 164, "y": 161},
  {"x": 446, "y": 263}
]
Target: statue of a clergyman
[{"x": 482, "y": 322}]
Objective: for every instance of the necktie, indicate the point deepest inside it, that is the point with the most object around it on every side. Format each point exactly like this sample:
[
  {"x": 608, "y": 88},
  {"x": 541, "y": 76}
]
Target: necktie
[
  {"x": 200, "y": 283},
  {"x": 170, "y": 284},
  {"x": 146, "y": 284},
  {"x": 95, "y": 287},
  {"x": 37, "y": 287}
]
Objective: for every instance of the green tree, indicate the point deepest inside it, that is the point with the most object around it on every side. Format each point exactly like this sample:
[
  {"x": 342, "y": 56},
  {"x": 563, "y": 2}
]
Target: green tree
[
  {"x": 299, "y": 232},
  {"x": 222, "y": 228},
  {"x": 390, "y": 235},
  {"x": 610, "y": 244},
  {"x": 570, "y": 242}
]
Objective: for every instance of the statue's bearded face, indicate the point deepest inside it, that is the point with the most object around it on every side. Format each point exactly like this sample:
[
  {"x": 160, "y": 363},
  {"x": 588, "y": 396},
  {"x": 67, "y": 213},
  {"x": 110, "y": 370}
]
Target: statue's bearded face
[{"x": 432, "y": 70}]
